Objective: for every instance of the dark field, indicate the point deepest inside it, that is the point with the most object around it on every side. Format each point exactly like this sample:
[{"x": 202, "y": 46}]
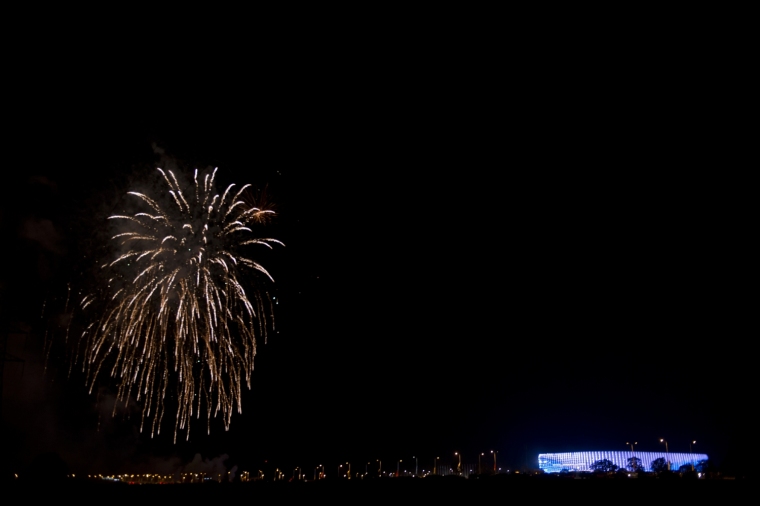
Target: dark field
[{"x": 507, "y": 490}]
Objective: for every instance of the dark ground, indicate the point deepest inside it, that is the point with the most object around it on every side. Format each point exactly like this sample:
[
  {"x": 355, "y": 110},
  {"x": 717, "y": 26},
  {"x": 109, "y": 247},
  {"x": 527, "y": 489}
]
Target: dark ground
[{"x": 501, "y": 488}]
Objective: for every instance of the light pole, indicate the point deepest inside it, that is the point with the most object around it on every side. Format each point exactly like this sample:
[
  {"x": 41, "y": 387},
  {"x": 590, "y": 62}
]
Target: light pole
[
  {"x": 435, "y": 465},
  {"x": 380, "y": 469},
  {"x": 667, "y": 453},
  {"x": 633, "y": 456},
  {"x": 340, "y": 472},
  {"x": 349, "y": 470},
  {"x": 692, "y": 458},
  {"x": 480, "y": 469},
  {"x": 459, "y": 466},
  {"x": 397, "y": 466},
  {"x": 416, "y": 467},
  {"x": 494, "y": 460}
]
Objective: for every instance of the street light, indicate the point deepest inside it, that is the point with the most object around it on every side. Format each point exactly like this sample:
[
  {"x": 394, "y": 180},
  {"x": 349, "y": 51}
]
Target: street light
[
  {"x": 459, "y": 466},
  {"x": 480, "y": 470},
  {"x": 416, "y": 467},
  {"x": 666, "y": 452},
  {"x": 632, "y": 453},
  {"x": 494, "y": 460},
  {"x": 380, "y": 469},
  {"x": 397, "y": 466},
  {"x": 692, "y": 458},
  {"x": 435, "y": 465}
]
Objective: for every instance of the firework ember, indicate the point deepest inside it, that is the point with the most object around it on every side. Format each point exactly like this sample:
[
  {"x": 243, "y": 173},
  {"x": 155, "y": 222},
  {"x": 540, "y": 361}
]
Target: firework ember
[{"x": 178, "y": 315}]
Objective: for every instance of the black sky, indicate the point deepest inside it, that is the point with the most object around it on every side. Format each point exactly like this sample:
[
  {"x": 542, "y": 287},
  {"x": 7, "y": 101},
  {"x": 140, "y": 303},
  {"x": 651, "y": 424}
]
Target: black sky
[{"x": 525, "y": 265}]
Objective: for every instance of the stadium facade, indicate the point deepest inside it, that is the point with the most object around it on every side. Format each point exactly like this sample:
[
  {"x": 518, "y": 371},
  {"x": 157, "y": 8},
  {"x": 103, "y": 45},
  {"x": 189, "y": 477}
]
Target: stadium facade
[{"x": 581, "y": 461}]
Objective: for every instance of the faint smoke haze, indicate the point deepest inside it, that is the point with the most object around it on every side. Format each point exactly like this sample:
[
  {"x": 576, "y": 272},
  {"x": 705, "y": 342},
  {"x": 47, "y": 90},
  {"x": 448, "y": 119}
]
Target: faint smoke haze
[
  {"x": 43, "y": 232},
  {"x": 215, "y": 468}
]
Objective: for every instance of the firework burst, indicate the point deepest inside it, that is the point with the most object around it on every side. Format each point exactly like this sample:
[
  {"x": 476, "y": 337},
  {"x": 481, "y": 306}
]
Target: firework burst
[{"x": 177, "y": 314}]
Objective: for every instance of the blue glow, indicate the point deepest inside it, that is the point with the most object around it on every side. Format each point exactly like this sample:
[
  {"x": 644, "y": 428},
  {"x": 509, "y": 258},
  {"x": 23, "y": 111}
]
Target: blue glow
[{"x": 580, "y": 461}]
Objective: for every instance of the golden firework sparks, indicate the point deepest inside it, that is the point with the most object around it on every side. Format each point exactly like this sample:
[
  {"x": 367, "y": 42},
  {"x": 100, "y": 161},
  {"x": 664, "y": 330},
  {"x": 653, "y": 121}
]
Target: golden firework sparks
[{"x": 178, "y": 314}]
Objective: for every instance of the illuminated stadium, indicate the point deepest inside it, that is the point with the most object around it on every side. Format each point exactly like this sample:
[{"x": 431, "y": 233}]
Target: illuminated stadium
[{"x": 581, "y": 461}]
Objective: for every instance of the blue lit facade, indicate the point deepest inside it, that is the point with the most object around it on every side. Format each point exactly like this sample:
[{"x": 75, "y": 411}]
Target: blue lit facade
[{"x": 581, "y": 461}]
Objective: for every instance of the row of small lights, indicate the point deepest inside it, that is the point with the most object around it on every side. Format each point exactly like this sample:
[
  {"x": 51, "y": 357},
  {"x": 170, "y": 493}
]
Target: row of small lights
[
  {"x": 323, "y": 475},
  {"x": 280, "y": 475},
  {"x": 245, "y": 476},
  {"x": 148, "y": 476}
]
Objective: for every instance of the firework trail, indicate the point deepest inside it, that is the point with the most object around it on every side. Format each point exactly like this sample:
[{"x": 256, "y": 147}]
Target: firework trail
[{"x": 177, "y": 314}]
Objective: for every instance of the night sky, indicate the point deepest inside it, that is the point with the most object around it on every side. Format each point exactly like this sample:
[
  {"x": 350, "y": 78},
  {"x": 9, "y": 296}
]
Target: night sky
[{"x": 469, "y": 266}]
